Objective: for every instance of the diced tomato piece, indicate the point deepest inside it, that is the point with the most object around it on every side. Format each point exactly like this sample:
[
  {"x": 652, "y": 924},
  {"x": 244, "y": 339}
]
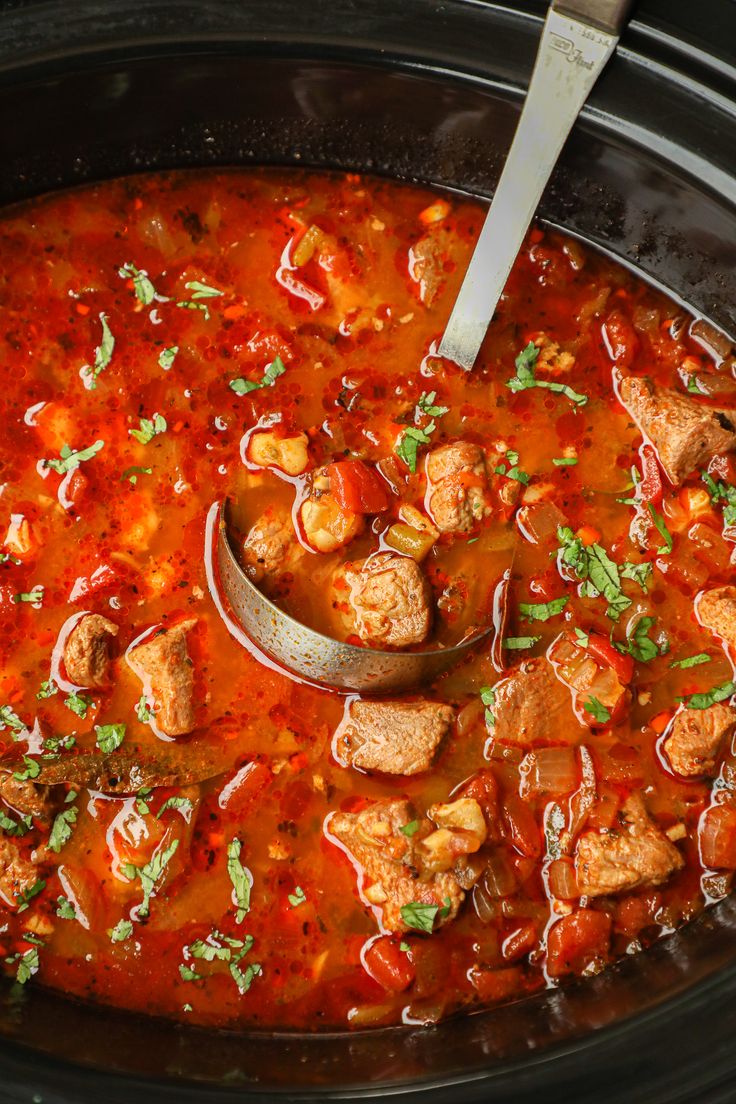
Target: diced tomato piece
[
  {"x": 620, "y": 338},
  {"x": 601, "y": 648},
  {"x": 521, "y": 942},
  {"x": 496, "y": 985},
  {"x": 650, "y": 488},
  {"x": 635, "y": 913},
  {"x": 388, "y": 965},
  {"x": 76, "y": 485},
  {"x": 84, "y": 585},
  {"x": 588, "y": 534},
  {"x": 244, "y": 786},
  {"x": 357, "y": 488},
  {"x": 522, "y": 825},
  {"x": 575, "y": 940},
  {"x": 718, "y": 838}
]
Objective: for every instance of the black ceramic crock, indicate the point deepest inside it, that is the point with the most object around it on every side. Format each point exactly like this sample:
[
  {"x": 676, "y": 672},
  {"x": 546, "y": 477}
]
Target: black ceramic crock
[{"x": 423, "y": 90}]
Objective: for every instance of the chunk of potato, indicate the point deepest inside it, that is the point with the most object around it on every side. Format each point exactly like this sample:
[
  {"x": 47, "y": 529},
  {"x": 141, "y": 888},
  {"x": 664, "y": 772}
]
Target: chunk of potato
[
  {"x": 326, "y": 525},
  {"x": 269, "y": 450}
]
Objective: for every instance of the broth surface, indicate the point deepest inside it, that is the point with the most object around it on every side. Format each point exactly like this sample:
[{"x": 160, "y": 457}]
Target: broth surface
[{"x": 196, "y": 874}]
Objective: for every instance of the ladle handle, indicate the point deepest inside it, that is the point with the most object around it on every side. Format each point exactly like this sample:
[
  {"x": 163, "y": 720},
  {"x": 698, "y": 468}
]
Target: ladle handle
[{"x": 606, "y": 15}]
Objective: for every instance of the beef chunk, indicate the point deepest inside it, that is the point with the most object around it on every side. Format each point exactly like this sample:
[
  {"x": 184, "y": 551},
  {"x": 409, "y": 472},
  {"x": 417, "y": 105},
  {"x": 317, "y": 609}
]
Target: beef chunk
[
  {"x": 532, "y": 705},
  {"x": 457, "y": 482},
  {"x": 685, "y": 433},
  {"x": 427, "y": 264},
  {"x": 271, "y": 546},
  {"x": 539, "y": 522},
  {"x": 393, "y": 737},
  {"x": 391, "y": 874},
  {"x": 27, "y": 798},
  {"x": 716, "y": 610},
  {"x": 696, "y": 737},
  {"x": 17, "y": 874},
  {"x": 87, "y": 651},
  {"x": 389, "y": 600},
  {"x": 163, "y": 666},
  {"x": 634, "y": 853}
]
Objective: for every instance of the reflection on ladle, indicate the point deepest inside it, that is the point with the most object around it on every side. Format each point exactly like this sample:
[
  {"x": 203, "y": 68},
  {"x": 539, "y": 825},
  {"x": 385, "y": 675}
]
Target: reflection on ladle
[{"x": 318, "y": 658}]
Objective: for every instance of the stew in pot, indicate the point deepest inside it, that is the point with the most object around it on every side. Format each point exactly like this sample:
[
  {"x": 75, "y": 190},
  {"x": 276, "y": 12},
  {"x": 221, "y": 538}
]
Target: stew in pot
[{"x": 187, "y": 831}]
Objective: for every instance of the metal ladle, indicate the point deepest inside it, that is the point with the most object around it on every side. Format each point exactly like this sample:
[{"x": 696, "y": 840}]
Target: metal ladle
[{"x": 577, "y": 40}]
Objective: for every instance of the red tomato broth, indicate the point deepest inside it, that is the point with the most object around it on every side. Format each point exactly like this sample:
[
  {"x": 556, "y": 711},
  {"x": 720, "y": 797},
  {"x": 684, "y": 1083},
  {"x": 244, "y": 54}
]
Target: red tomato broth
[{"x": 130, "y": 547}]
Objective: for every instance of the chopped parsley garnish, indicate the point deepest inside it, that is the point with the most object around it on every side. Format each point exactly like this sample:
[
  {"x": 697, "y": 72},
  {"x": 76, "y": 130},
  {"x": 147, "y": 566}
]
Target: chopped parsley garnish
[
  {"x": 564, "y": 461},
  {"x": 188, "y": 974},
  {"x": 109, "y": 737},
  {"x": 709, "y": 697},
  {"x": 600, "y": 576},
  {"x": 542, "y": 611},
  {"x": 183, "y": 804},
  {"x": 202, "y": 291},
  {"x": 271, "y": 373},
  {"x": 597, "y": 710},
  {"x": 520, "y": 643},
  {"x": 149, "y": 428},
  {"x": 144, "y": 290},
  {"x": 143, "y": 711},
  {"x": 103, "y": 355},
  {"x": 61, "y": 829},
  {"x": 241, "y": 879},
  {"x": 513, "y": 471},
  {"x": 132, "y": 473},
  {"x": 722, "y": 492},
  {"x": 412, "y": 436},
  {"x": 47, "y": 689},
  {"x": 65, "y": 909},
  {"x": 639, "y": 644},
  {"x": 525, "y": 378},
  {"x": 298, "y": 897},
  {"x": 141, "y": 802},
  {"x": 488, "y": 697},
  {"x": 666, "y": 548},
  {"x": 639, "y": 572},
  {"x": 54, "y": 745},
  {"x": 69, "y": 458},
  {"x": 78, "y": 703},
  {"x": 28, "y": 965},
  {"x": 122, "y": 931},
  {"x": 404, "y": 947},
  {"x": 33, "y": 597},
  {"x": 582, "y": 638},
  {"x": 419, "y": 916},
  {"x": 10, "y": 719},
  {"x": 222, "y": 948},
  {"x": 244, "y": 978},
  {"x": 691, "y": 661},
  {"x": 410, "y": 828},
  {"x": 24, "y": 899},
  {"x": 33, "y": 769},
  {"x": 13, "y": 828},
  {"x": 150, "y": 874},
  {"x": 167, "y": 357}
]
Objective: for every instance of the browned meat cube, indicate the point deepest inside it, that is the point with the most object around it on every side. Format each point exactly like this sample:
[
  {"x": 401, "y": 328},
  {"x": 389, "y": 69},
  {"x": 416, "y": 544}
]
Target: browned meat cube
[
  {"x": 165, "y": 669},
  {"x": 539, "y": 522},
  {"x": 27, "y": 798},
  {"x": 17, "y": 874},
  {"x": 634, "y": 853},
  {"x": 457, "y": 482},
  {"x": 87, "y": 651},
  {"x": 393, "y": 737},
  {"x": 531, "y": 704},
  {"x": 389, "y": 870},
  {"x": 389, "y": 600},
  {"x": 686, "y": 434},
  {"x": 427, "y": 263},
  {"x": 271, "y": 546},
  {"x": 696, "y": 737},
  {"x": 716, "y": 610}
]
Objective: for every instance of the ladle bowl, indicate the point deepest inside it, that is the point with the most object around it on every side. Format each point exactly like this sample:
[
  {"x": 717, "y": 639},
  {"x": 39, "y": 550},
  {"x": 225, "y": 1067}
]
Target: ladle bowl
[{"x": 319, "y": 658}]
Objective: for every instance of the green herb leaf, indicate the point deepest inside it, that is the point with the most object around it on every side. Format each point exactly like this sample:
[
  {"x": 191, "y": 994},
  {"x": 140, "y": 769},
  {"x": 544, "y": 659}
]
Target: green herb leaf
[
  {"x": 664, "y": 532},
  {"x": 640, "y": 646},
  {"x": 520, "y": 643},
  {"x": 427, "y": 405},
  {"x": 564, "y": 461},
  {"x": 710, "y": 697},
  {"x": 140, "y": 802},
  {"x": 244, "y": 978},
  {"x": 419, "y": 916},
  {"x": 144, "y": 290},
  {"x": 404, "y": 947},
  {"x": 183, "y": 804},
  {"x": 69, "y": 459},
  {"x": 10, "y": 719},
  {"x": 188, "y": 974},
  {"x": 34, "y": 597},
  {"x": 691, "y": 661},
  {"x": 409, "y": 442},
  {"x": 597, "y": 710},
  {"x": 542, "y": 611},
  {"x": 28, "y": 965},
  {"x": 298, "y": 897},
  {"x": 149, "y": 428},
  {"x": 488, "y": 697},
  {"x": 132, "y": 473},
  {"x": 410, "y": 828},
  {"x": 61, "y": 829},
  {"x": 241, "y": 879},
  {"x": 122, "y": 931},
  {"x": 202, "y": 291},
  {"x": 640, "y": 573},
  {"x": 582, "y": 638},
  {"x": 78, "y": 703},
  {"x": 525, "y": 378},
  {"x": 33, "y": 769},
  {"x": 65, "y": 909},
  {"x": 143, "y": 711},
  {"x": 47, "y": 689},
  {"x": 103, "y": 355},
  {"x": 15, "y": 828},
  {"x": 272, "y": 372},
  {"x": 150, "y": 874},
  {"x": 24, "y": 899},
  {"x": 109, "y": 737},
  {"x": 167, "y": 357}
]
